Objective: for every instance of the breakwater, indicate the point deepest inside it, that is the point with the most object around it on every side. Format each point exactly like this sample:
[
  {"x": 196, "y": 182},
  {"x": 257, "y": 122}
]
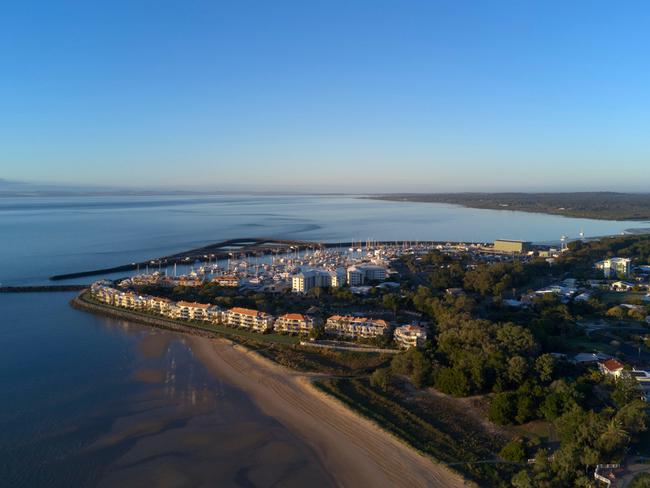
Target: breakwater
[
  {"x": 218, "y": 250},
  {"x": 41, "y": 288},
  {"x": 237, "y": 247}
]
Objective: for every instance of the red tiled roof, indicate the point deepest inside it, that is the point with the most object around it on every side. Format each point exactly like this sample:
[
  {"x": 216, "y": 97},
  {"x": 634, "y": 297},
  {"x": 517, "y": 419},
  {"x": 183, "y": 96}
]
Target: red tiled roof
[
  {"x": 193, "y": 304},
  {"x": 248, "y": 311},
  {"x": 293, "y": 316},
  {"x": 613, "y": 365}
]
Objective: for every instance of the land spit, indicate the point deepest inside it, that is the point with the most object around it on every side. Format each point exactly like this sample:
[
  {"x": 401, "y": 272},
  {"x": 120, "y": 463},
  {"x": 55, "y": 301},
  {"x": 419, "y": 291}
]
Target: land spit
[{"x": 353, "y": 449}]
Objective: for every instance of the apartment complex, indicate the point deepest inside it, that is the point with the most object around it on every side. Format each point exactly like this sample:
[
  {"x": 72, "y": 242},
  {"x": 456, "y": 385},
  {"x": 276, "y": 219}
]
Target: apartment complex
[
  {"x": 248, "y": 319},
  {"x": 294, "y": 323},
  {"x": 196, "y": 311},
  {"x": 362, "y": 273},
  {"x": 355, "y": 327},
  {"x": 306, "y": 280},
  {"x": 615, "y": 267},
  {"x": 410, "y": 336}
]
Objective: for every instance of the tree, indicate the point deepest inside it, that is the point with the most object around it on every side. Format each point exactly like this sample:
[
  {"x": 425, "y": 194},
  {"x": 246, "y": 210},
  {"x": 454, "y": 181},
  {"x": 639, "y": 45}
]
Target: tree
[
  {"x": 420, "y": 369},
  {"x": 625, "y": 391},
  {"x": 544, "y": 367},
  {"x": 525, "y": 408},
  {"x": 381, "y": 378},
  {"x": 503, "y": 408},
  {"x": 452, "y": 381},
  {"x": 514, "y": 451},
  {"x": 391, "y": 302},
  {"x": 552, "y": 406},
  {"x": 522, "y": 480},
  {"x": 617, "y": 312},
  {"x": 517, "y": 368}
]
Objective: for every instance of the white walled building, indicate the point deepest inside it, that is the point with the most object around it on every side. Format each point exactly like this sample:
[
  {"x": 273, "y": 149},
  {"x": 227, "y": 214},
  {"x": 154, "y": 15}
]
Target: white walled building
[
  {"x": 249, "y": 319},
  {"x": 355, "y": 327},
  {"x": 410, "y": 336},
  {"x": 615, "y": 267},
  {"x": 306, "y": 280},
  {"x": 296, "y": 323},
  {"x": 362, "y": 273}
]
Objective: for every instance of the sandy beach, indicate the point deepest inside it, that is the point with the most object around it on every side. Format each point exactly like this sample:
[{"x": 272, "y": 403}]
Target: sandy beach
[{"x": 354, "y": 450}]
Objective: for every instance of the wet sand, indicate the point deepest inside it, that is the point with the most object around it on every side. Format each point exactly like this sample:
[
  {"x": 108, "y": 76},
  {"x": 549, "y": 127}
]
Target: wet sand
[
  {"x": 191, "y": 428},
  {"x": 354, "y": 450}
]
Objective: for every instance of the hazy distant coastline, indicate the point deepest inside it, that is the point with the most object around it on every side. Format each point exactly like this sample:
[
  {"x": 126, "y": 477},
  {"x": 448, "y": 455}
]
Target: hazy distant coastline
[{"x": 591, "y": 205}]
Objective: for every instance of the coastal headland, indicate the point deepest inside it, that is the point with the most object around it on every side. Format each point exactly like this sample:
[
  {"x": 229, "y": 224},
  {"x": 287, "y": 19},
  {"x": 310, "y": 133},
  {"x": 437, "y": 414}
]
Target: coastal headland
[
  {"x": 588, "y": 205},
  {"x": 356, "y": 451}
]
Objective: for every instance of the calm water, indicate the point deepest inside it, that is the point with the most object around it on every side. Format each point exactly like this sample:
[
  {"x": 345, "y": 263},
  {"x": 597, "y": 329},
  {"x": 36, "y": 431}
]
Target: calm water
[
  {"x": 42, "y": 237},
  {"x": 88, "y": 401}
]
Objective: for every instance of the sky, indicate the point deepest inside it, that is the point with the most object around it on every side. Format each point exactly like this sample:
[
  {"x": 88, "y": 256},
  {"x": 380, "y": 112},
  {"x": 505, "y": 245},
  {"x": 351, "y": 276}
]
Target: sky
[{"x": 335, "y": 95}]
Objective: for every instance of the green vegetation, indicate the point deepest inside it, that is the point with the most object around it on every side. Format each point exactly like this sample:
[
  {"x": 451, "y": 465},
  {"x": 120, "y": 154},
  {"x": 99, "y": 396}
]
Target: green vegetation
[
  {"x": 481, "y": 347},
  {"x": 640, "y": 481},
  {"x": 432, "y": 426},
  {"x": 525, "y": 400},
  {"x": 593, "y": 205}
]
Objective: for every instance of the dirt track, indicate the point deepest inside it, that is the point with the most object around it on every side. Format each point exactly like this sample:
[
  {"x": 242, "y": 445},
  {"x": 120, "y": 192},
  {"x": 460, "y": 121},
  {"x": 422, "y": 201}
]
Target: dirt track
[{"x": 354, "y": 450}]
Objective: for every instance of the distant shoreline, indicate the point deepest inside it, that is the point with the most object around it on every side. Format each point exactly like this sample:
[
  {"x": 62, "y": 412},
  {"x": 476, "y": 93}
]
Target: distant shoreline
[{"x": 585, "y": 205}]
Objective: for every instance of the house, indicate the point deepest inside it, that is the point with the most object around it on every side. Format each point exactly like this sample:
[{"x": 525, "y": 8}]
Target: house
[
  {"x": 410, "y": 336},
  {"x": 454, "y": 292},
  {"x": 621, "y": 286},
  {"x": 355, "y": 327},
  {"x": 296, "y": 323},
  {"x": 611, "y": 367},
  {"x": 590, "y": 357}
]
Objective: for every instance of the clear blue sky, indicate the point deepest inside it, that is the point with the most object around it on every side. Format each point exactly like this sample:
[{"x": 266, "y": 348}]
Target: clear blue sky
[{"x": 360, "y": 95}]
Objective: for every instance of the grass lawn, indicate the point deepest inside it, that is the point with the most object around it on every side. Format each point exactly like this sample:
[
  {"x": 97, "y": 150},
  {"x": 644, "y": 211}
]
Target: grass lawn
[{"x": 616, "y": 297}]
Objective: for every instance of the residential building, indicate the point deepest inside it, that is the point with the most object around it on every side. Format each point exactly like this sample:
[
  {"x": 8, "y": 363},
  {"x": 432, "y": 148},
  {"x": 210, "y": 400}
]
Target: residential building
[
  {"x": 159, "y": 305},
  {"x": 249, "y": 319},
  {"x": 295, "y": 323},
  {"x": 338, "y": 277},
  {"x": 359, "y": 274},
  {"x": 196, "y": 311},
  {"x": 615, "y": 267},
  {"x": 410, "y": 336},
  {"x": 308, "y": 279},
  {"x": 611, "y": 367},
  {"x": 355, "y": 327}
]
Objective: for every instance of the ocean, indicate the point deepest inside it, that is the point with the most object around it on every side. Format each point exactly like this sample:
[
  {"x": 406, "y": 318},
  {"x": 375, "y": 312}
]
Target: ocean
[{"x": 91, "y": 401}]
